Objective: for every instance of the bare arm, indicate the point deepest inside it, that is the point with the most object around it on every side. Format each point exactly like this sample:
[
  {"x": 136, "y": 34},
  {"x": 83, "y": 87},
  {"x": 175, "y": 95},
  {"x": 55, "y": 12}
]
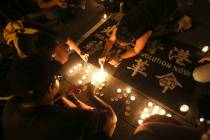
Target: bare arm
[
  {"x": 140, "y": 43},
  {"x": 109, "y": 43},
  {"x": 46, "y": 5},
  {"x": 82, "y": 105},
  {"x": 205, "y": 58},
  {"x": 73, "y": 45},
  {"x": 49, "y": 4},
  {"x": 112, "y": 118},
  {"x": 68, "y": 103}
]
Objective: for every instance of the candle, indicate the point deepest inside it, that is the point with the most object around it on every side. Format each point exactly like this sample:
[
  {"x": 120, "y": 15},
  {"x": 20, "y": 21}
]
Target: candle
[
  {"x": 80, "y": 65},
  {"x": 184, "y": 108},
  {"x": 80, "y": 82},
  {"x": 71, "y": 71},
  {"x": 128, "y": 90},
  {"x": 140, "y": 122},
  {"x": 105, "y": 16},
  {"x": 119, "y": 90},
  {"x": 150, "y": 104},
  {"x": 168, "y": 115},
  {"x": 133, "y": 98},
  {"x": 146, "y": 110}
]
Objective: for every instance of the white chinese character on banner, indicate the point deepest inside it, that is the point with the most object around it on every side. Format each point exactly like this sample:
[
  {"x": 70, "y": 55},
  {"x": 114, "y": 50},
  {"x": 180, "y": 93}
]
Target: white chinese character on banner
[
  {"x": 180, "y": 56},
  {"x": 139, "y": 67},
  {"x": 168, "y": 81}
]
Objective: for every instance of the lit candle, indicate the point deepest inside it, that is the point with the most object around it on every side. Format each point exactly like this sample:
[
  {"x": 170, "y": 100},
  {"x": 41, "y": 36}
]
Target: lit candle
[
  {"x": 201, "y": 119},
  {"x": 86, "y": 71},
  {"x": 155, "y": 111},
  {"x": 71, "y": 71},
  {"x": 146, "y": 110},
  {"x": 80, "y": 82},
  {"x": 133, "y": 98},
  {"x": 119, "y": 90},
  {"x": 75, "y": 67},
  {"x": 150, "y": 104},
  {"x": 140, "y": 122},
  {"x": 84, "y": 77},
  {"x": 184, "y": 108},
  {"x": 205, "y": 49},
  {"x": 162, "y": 112},
  {"x": 128, "y": 90},
  {"x": 157, "y": 108},
  {"x": 144, "y": 116},
  {"x": 168, "y": 115},
  {"x": 99, "y": 77},
  {"x": 105, "y": 16},
  {"x": 80, "y": 65}
]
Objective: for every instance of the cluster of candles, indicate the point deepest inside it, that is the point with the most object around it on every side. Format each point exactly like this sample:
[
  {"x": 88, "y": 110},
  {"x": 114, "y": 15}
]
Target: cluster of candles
[
  {"x": 126, "y": 93},
  {"x": 99, "y": 79},
  {"x": 152, "y": 109}
]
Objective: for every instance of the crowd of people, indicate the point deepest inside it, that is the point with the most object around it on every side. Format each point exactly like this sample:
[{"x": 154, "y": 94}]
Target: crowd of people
[{"x": 36, "y": 108}]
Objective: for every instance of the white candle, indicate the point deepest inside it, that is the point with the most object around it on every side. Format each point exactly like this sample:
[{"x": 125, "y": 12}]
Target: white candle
[
  {"x": 119, "y": 90},
  {"x": 80, "y": 65},
  {"x": 184, "y": 108},
  {"x": 150, "y": 104},
  {"x": 128, "y": 90},
  {"x": 80, "y": 82},
  {"x": 133, "y": 98},
  {"x": 71, "y": 71}
]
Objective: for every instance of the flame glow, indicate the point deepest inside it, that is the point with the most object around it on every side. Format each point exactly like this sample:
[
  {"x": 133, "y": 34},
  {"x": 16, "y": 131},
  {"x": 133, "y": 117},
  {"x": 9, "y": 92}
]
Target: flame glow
[{"x": 99, "y": 77}]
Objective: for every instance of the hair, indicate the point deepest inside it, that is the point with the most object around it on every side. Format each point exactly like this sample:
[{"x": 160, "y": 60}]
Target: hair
[
  {"x": 38, "y": 44},
  {"x": 128, "y": 27},
  {"x": 31, "y": 73},
  {"x": 124, "y": 34}
]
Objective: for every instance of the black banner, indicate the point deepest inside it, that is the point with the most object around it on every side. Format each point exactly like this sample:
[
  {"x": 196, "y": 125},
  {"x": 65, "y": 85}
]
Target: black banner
[{"x": 163, "y": 70}]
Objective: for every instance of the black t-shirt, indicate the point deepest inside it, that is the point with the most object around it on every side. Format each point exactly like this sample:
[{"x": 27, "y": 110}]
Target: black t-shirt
[
  {"x": 51, "y": 123},
  {"x": 147, "y": 15},
  {"x": 29, "y": 6}
]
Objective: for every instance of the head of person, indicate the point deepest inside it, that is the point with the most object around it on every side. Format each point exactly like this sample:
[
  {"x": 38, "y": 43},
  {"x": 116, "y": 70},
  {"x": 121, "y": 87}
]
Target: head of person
[
  {"x": 126, "y": 32},
  {"x": 38, "y": 44},
  {"x": 33, "y": 79}
]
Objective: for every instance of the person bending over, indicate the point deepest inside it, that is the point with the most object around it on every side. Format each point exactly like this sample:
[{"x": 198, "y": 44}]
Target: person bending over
[
  {"x": 137, "y": 26},
  {"x": 32, "y": 113}
]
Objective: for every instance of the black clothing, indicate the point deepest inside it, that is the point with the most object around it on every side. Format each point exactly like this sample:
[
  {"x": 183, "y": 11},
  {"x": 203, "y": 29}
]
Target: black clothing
[
  {"x": 164, "y": 128},
  {"x": 32, "y": 73},
  {"x": 29, "y": 6},
  {"x": 147, "y": 15},
  {"x": 51, "y": 123}
]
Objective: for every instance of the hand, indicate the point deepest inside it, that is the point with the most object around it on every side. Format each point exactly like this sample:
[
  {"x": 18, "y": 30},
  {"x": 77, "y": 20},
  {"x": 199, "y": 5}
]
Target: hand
[
  {"x": 101, "y": 61},
  {"x": 89, "y": 90},
  {"x": 74, "y": 90},
  {"x": 61, "y": 3},
  {"x": 205, "y": 58},
  {"x": 115, "y": 62},
  {"x": 61, "y": 54},
  {"x": 84, "y": 57}
]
